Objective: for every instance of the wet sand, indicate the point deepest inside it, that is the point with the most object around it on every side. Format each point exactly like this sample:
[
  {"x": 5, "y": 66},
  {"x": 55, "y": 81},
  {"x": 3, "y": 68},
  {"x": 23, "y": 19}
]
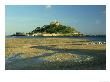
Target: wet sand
[{"x": 54, "y": 53}]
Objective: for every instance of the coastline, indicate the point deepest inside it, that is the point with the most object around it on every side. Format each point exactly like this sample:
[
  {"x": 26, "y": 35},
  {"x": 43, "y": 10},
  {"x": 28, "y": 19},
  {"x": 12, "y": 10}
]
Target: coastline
[{"x": 51, "y": 50}]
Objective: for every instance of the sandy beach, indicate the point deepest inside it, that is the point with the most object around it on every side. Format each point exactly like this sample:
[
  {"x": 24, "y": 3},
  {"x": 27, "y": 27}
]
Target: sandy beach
[{"x": 54, "y": 53}]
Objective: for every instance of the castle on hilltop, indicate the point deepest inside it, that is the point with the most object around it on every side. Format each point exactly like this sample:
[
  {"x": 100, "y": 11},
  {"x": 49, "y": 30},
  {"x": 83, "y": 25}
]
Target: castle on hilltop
[
  {"x": 52, "y": 29},
  {"x": 56, "y": 23}
]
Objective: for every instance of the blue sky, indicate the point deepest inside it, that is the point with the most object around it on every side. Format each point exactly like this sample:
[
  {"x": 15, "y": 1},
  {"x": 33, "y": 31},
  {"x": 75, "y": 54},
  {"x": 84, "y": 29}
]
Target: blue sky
[{"x": 88, "y": 19}]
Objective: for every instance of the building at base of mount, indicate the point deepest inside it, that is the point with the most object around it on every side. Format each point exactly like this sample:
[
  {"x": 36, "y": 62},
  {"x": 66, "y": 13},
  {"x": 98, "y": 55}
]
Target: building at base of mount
[{"x": 53, "y": 34}]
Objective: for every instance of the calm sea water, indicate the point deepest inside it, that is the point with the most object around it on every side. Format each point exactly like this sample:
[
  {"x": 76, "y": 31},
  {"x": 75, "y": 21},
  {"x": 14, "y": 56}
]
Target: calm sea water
[{"x": 91, "y": 38}]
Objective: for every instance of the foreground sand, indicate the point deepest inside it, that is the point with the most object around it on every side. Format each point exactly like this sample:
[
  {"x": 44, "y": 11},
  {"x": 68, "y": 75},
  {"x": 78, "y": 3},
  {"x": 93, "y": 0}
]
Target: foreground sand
[{"x": 54, "y": 53}]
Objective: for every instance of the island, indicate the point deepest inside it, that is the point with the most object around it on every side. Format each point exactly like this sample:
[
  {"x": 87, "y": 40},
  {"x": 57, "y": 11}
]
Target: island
[{"x": 53, "y": 29}]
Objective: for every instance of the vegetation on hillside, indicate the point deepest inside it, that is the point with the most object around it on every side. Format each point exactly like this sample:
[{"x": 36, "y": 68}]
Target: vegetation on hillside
[{"x": 54, "y": 29}]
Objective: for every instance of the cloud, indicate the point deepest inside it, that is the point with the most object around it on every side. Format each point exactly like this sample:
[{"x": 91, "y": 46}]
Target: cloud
[{"x": 48, "y": 6}]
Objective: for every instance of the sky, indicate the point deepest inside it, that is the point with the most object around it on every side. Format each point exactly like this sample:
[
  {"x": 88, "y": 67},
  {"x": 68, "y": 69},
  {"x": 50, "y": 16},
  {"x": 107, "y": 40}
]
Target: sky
[{"x": 87, "y": 19}]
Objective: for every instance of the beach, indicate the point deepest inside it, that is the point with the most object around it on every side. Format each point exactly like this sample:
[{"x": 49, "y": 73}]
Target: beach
[{"x": 54, "y": 54}]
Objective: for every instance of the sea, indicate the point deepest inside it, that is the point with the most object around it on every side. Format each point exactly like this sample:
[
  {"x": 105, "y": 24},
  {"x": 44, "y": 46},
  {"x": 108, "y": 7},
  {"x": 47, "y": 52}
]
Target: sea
[{"x": 90, "y": 38}]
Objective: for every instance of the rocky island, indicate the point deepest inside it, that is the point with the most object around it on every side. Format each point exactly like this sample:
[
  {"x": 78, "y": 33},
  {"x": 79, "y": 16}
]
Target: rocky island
[{"x": 53, "y": 29}]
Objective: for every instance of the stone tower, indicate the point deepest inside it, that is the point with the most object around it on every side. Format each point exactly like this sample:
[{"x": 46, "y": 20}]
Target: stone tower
[{"x": 56, "y": 23}]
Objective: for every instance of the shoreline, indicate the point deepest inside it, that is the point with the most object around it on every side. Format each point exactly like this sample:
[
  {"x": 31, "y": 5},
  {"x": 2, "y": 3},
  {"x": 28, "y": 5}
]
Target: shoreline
[{"x": 53, "y": 50}]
